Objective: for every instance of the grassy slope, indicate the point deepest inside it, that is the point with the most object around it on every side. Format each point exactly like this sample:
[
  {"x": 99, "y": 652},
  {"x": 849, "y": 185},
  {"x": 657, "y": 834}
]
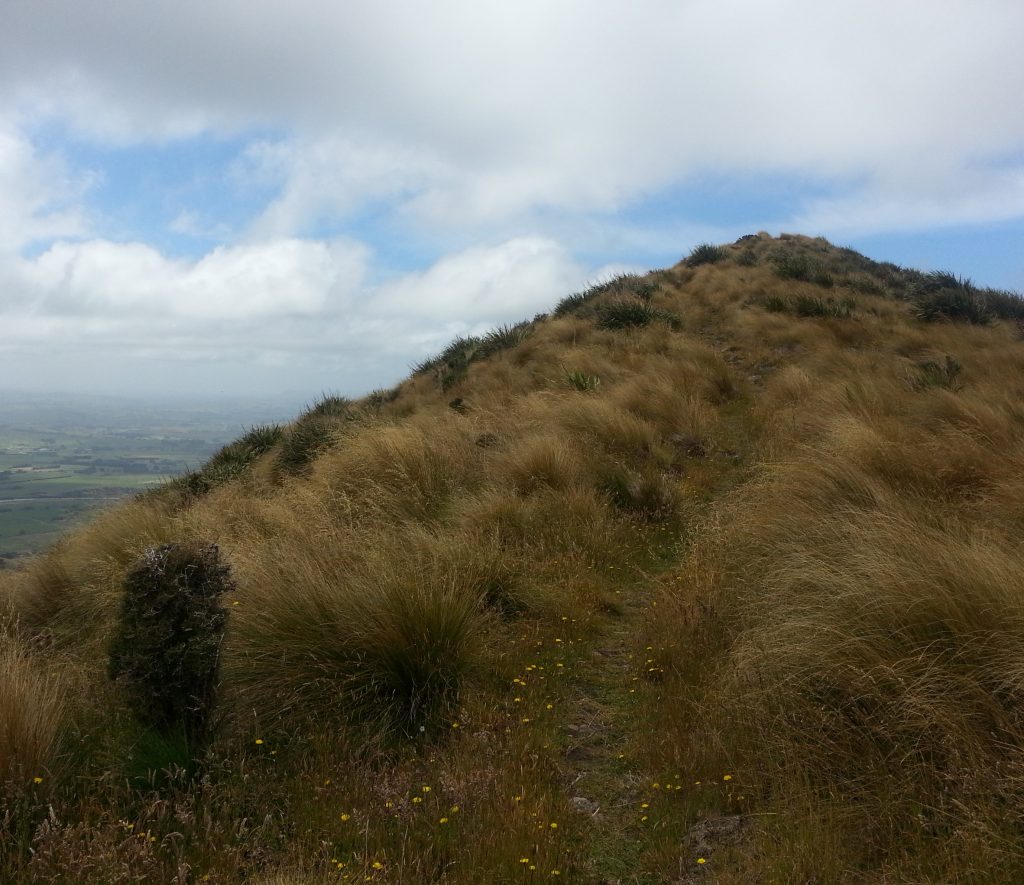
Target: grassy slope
[{"x": 493, "y": 627}]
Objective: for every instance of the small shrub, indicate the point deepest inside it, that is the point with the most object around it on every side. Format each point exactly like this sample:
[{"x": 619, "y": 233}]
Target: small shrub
[
  {"x": 800, "y": 267},
  {"x": 234, "y": 459},
  {"x": 932, "y": 374},
  {"x": 626, "y": 314},
  {"x": 313, "y": 432},
  {"x": 581, "y": 381},
  {"x": 942, "y": 295},
  {"x": 623, "y": 286},
  {"x": 330, "y": 406},
  {"x": 450, "y": 365},
  {"x": 807, "y": 306},
  {"x": 166, "y": 647},
  {"x": 648, "y": 494},
  {"x": 747, "y": 258},
  {"x": 504, "y": 338},
  {"x": 382, "y": 396},
  {"x": 570, "y": 304},
  {"x": 705, "y": 253},
  {"x": 307, "y": 438}
]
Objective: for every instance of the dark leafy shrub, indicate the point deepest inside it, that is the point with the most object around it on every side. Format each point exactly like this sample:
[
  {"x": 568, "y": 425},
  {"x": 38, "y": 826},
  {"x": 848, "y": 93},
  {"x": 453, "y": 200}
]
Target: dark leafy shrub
[
  {"x": 932, "y": 374},
  {"x": 747, "y": 258},
  {"x": 166, "y": 647},
  {"x": 705, "y": 253},
  {"x": 776, "y": 304}
]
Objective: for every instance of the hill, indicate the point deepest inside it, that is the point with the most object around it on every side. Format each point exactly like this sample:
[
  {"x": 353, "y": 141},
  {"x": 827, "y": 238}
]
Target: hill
[{"x": 712, "y": 574}]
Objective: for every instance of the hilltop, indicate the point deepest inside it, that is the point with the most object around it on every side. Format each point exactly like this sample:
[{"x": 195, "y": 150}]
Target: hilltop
[{"x": 709, "y": 574}]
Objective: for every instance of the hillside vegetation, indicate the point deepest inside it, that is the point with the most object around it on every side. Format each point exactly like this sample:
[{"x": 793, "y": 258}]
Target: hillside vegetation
[{"x": 713, "y": 574}]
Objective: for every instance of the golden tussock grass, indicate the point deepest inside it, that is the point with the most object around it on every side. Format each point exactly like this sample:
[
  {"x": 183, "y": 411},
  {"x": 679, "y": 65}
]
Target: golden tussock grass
[
  {"x": 808, "y": 527},
  {"x": 32, "y": 717}
]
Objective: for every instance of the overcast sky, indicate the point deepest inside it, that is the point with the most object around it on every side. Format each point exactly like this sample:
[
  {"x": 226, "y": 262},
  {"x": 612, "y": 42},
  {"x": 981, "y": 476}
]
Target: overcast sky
[{"x": 250, "y": 196}]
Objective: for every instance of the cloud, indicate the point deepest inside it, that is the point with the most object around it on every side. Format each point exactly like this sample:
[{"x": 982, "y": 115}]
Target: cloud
[
  {"x": 471, "y": 111},
  {"x": 293, "y": 310},
  {"x": 274, "y": 279},
  {"x": 503, "y": 147},
  {"x": 484, "y": 284},
  {"x": 38, "y": 194}
]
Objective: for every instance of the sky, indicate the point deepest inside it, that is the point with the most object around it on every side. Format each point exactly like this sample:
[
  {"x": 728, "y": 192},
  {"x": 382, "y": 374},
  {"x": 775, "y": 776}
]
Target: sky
[{"x": 253, "y": 197}]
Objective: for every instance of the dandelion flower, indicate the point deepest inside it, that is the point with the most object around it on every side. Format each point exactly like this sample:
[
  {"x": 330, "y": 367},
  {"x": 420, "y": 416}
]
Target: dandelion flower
[
  {"x": 454, "y": 809},
  {"x": 727, "y": 777},
  {"x": 345, "y": 817},
  {"x": 524, "y": 860},
  {"x": 259, "y": 742},
  {"x": 553, "y": 825},
  {"x": 37, "y": 780},
  {"x": 377, "y": 865},
  {"x": 416, "y": 800},
  {"x": 701, "y": 860},
  {"x": 443, "y": 820}
]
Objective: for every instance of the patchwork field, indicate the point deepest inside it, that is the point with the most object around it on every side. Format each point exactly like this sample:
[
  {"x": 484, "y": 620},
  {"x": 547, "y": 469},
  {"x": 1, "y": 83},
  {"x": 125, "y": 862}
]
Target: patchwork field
[{"x": 63, "y": 458}]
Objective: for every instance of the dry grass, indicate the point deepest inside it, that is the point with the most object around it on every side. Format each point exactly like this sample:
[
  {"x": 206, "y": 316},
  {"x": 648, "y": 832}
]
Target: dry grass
[
  {"x": 832, "y": 556},
  {"x": 32, "y": 717}
]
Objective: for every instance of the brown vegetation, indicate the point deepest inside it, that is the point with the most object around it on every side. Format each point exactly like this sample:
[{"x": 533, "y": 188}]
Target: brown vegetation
[{"x": 761, "y": 580}]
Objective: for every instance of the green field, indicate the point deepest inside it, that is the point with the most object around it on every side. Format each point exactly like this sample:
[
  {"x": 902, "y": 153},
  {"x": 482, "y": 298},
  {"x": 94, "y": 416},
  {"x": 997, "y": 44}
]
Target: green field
[{"x": 62, "y": 458}]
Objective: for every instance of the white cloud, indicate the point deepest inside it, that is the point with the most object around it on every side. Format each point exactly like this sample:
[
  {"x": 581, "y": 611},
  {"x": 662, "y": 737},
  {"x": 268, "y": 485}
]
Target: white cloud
[
  {"x": 503, "y": 138},
  {"x": 484, "y": 110},
  {"x": 38, "y": 194},
  {"x": 252, "y": 282},
  {"x": 301, "y": 308},
  {"x": 484, "y": 284}
]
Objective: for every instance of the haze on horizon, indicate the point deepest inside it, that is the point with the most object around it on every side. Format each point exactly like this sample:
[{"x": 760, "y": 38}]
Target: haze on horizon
[{"x": 255, "y": 198}]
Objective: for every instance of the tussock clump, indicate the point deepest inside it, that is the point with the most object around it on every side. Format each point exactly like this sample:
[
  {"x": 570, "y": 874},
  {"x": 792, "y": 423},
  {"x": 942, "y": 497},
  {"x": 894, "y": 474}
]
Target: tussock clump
[
  {"x": 381, "y": 640},
  {"x": 32, "y": 717}
]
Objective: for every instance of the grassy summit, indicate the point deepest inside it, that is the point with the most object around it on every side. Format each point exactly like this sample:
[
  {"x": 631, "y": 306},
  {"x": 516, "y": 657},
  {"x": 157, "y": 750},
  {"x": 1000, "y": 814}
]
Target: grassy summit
[{"x": 713, "y": 574}]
